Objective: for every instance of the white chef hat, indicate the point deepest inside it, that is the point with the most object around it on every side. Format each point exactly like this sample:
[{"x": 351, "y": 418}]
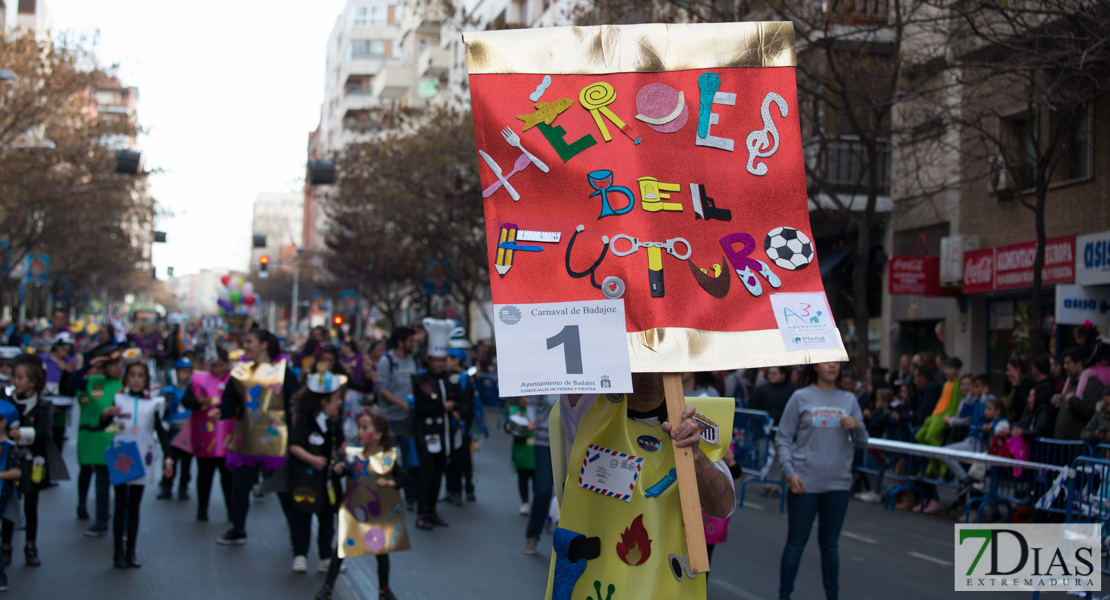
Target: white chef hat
[{"x": 440, "y": 332}]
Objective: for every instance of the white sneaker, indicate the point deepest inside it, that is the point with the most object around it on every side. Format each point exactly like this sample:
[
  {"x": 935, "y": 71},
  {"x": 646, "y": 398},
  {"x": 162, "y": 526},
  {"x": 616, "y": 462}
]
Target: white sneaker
[
  {"x": 325, "y": 564},
  {"x": 525, "y": 509},
  {"x": 300, "y": 564}
]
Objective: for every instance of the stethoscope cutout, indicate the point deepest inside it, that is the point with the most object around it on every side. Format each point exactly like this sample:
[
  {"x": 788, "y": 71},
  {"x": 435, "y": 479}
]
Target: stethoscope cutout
[{"x": 612, "y": 287}]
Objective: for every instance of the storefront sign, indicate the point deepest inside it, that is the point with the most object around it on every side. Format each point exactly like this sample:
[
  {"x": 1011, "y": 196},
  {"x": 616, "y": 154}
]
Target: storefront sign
[
  {"x": 916, "y": 276},
  {"x": 1092, "y": 259},
  {"x": 1011, "y": 267},
  {"x": 1076, "y": 304}
]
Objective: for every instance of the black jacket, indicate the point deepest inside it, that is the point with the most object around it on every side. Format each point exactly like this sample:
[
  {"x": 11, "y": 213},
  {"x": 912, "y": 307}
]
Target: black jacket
[
  {"x": 429, "y": 393},
  {"x": 41, "y": 419},
  {"x": 308, "y": 484},
  {"x": 772, "y": 398}
]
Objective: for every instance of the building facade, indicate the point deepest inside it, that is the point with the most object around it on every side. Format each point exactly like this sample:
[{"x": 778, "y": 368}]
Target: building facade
[{"x": 277, "y": 216}]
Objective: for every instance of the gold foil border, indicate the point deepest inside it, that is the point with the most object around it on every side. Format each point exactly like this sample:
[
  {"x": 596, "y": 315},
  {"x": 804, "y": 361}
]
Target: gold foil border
[
  {"x": 678, "y": 349},
  {"x": 631, "y": 48}
]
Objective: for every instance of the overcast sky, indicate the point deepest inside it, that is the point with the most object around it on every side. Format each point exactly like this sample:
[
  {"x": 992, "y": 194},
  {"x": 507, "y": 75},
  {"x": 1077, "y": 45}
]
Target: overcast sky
[{"x": 228, "y": 91}]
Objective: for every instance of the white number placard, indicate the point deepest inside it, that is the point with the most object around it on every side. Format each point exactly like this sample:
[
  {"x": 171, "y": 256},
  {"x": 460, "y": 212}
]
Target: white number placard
[{"x": 562, "y": 348}]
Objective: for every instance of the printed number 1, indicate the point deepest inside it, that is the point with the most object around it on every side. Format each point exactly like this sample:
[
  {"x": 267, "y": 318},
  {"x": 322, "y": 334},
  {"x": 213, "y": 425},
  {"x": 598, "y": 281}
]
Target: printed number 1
[{"x": 572, "y": 348}]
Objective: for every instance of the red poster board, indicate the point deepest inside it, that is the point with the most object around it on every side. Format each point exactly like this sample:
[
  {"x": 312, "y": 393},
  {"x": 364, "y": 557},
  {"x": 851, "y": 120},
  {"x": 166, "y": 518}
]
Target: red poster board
[{"x": 705, "y": 176}]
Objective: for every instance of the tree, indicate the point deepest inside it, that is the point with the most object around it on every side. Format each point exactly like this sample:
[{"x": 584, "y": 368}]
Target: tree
[
  {"x": 59, "y": 193},
  {"x": 406, "y": 198}
]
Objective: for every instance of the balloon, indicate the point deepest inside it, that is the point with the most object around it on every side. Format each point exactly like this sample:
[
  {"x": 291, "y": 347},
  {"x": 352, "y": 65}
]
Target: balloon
[
  {"x": 248, "y": 289},
  {"x": 249, "y": 299},
  {"x": 223, "y": 312},
  {"x": 235, "y": 284},
  {"x": 223, "y": 293},
  {"x": 224, "y": 303},
  {"x": 226, "y": 279},
  {"x": 236, "y": 296}
]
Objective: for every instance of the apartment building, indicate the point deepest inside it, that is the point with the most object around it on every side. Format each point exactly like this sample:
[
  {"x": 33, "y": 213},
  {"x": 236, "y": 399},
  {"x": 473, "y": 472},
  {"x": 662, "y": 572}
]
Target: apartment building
[
  {"x": 963, "y": 239},
  {"x": 25, "y": 15}
]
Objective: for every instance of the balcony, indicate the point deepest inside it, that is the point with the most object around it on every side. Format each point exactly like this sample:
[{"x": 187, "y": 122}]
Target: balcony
[
  {"x": 356, "y": 100},
  {"x": 392, "y": 82},
  {"x": 859, "y": 12},
  {"x": 433, "y": 62},
  {"x": 843, "y": 165}
]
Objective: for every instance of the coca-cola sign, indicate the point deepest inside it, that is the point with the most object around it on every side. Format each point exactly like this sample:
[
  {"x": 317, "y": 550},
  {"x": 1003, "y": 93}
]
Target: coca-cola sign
[
  {"x": 916, "y": 276},
  {"x": 1011, "y": 267}
]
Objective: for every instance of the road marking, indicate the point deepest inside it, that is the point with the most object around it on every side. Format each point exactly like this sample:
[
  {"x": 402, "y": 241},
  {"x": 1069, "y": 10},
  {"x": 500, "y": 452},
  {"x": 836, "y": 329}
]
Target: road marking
[
  {"x": 858, "y": 537},
  {"x": 735, "y": 590},
  {"x": 749, "y": 504},
  {"x": 931, "y": 559}
]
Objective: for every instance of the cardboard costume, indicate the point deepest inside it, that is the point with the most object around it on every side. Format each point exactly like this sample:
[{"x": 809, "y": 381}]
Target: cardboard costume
[
  {"x": 261, "y": 429},
  {"x": 203, "y": 436},
  {"x": 371, "y": 517},
  {"x": 619, "y": 527},
  {"x": 137, "y": 422},
  {"x": 92, "y": 437}
]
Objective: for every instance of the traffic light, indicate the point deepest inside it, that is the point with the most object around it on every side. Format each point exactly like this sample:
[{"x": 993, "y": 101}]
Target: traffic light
[
  {"x": 338, "y": 320},
  {"x": 263, "y": 266}
]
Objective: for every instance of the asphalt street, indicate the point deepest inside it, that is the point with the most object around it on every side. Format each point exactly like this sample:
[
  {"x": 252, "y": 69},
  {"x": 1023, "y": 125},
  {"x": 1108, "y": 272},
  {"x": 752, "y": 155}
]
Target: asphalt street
[{"x": 883, "y": 554}]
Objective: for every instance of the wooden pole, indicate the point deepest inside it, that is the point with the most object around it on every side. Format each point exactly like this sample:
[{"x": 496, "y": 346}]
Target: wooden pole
[{"x": 687, "y": 481}]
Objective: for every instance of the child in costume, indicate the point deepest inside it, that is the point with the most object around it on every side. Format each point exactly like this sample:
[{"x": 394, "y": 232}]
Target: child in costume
[
  {"x": 39, "y": 458},
  {"x": 376, "y": 477},
  {"x": 313, "y": 442},
  {"x": 10, "y": 470},
  {"x": 176, "y": 417},
  {"x": 137, "y": 418},
  {"x": 523, "y": 454},
  {"x": 60, "y": 364},
  {"x": 209, "y": 436},
  {"x": 97, "y": 384}
]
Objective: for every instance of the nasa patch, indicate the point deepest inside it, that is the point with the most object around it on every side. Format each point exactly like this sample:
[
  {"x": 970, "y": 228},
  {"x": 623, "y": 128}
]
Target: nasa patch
[{"x": 649, "y": 443}]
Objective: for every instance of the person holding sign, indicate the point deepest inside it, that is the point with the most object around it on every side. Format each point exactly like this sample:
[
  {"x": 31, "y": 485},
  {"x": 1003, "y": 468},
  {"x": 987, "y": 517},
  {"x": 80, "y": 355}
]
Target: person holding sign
[
  {"x": 820, "y": 430},
  {"x": 618, "y": 526},
  {"x": 631, "y": 519}
]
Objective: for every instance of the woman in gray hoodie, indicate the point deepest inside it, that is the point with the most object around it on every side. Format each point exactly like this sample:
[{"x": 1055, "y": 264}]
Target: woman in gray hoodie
[{"x": 820, "y": 428}]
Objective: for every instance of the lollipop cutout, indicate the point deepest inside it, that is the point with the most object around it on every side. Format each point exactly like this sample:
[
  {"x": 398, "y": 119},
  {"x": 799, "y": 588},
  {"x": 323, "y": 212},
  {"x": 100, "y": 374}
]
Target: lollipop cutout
[{"x": 596, "y": 98}]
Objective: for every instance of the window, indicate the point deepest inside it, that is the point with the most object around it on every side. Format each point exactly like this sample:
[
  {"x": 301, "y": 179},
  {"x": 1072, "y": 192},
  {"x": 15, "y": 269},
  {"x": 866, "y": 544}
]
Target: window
[
  {"x": 362, "y": 49},
  {"x": 1022, "y": 156},
  {"x": 1075, "y": 153},
  {"x": 373, "y": 16}
]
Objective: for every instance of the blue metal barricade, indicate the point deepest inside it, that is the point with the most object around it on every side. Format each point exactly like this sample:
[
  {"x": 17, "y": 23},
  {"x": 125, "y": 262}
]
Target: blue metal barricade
[
  {"x": 753, "y": 441},
  {"x": 1061, "y": 453}
]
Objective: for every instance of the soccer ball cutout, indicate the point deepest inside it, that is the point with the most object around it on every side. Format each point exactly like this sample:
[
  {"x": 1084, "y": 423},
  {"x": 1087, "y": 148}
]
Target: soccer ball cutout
[{"x": 788, "y": 248}]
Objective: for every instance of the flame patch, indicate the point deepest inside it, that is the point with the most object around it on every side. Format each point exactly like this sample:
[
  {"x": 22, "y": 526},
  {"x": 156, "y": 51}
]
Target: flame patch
[{"x": 635, "y": 545}]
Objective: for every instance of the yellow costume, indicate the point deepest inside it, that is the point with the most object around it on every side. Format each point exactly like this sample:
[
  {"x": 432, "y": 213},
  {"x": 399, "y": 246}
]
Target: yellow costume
[
  {"x": 371, "y": 517},
  {"x": 261, "y": 429},
  {"x": 638, "y": 531}
]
